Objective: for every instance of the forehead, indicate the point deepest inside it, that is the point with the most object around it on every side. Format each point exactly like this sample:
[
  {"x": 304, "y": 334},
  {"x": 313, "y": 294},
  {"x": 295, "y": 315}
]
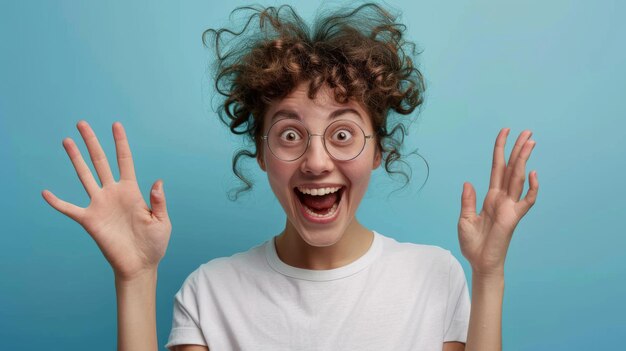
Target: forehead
[{"x": 323, "y": 107}]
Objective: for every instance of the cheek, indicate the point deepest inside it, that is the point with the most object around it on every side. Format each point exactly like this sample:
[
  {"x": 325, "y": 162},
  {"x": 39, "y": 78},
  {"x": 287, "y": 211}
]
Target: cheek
[
  {"x": 359, "y": 173},
  {"x": 278, "y": 174}
]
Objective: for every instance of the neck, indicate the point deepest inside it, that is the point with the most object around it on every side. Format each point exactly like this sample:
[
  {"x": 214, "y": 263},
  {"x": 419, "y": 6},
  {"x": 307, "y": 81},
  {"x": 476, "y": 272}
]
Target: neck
[{"x": 294, "y": 251}]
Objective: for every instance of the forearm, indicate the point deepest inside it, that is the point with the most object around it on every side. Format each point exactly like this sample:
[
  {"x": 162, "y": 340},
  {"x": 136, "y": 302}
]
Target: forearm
[
  {"x": 485, "y": 326},
  {"x": 136, "y": 313}
]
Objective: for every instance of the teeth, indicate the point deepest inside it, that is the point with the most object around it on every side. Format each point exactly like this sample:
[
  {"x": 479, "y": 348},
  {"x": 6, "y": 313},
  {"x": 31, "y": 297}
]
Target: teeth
[
  {"x": 330, "y": 212},
  {"x": 318, "y": 191}
]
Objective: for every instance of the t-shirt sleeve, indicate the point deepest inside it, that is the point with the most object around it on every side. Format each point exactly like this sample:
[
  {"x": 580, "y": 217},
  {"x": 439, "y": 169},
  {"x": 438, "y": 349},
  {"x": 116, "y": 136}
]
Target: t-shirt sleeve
[
  {"x": 185, "y": 321},
  {"x": 458, "y": 310}
]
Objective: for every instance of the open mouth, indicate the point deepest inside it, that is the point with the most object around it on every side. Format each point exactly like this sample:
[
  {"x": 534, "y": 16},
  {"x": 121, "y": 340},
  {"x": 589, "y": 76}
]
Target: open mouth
[{"x": 319, "y": 203}]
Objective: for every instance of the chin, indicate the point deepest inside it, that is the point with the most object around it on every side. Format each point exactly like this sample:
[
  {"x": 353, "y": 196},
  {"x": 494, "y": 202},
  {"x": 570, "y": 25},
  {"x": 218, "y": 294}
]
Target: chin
[{"x": 324, "y": 238}]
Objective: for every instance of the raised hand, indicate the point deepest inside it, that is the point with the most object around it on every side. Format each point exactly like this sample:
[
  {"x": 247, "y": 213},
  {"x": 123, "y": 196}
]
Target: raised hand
[
  {"x": 485, "y": 238},
  {"x": 132, "y": 236}
]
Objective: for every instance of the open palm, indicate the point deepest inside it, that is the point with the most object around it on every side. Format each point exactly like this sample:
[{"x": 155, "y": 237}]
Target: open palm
[
  {"x": 484, "y": 238},
  {"x": 132, "y": 237}
]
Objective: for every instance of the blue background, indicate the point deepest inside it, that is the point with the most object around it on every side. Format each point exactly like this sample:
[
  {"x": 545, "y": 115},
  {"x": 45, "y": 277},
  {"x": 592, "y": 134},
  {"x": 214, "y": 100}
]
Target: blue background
[{"x": 555, "y": 67}]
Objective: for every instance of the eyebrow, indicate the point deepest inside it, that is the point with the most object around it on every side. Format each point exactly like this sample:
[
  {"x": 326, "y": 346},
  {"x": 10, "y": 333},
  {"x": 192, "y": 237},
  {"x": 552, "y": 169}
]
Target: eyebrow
[{"x": 293, "y": 114}]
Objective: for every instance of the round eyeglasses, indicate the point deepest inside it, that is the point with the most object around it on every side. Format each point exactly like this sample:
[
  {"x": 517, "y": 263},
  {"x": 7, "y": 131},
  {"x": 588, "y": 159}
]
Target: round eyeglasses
[{"x": 288, "y": 139}]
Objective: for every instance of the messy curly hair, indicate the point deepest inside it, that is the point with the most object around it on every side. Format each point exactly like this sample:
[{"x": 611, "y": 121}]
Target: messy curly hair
[{"x": 358, "y": 53}]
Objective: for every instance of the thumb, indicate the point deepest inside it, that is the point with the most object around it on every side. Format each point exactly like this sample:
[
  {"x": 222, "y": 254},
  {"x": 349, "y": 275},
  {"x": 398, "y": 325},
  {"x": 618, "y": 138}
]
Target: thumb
[
  {"x": 468, "y": 201},
  {"x": 157, "y": 201}
]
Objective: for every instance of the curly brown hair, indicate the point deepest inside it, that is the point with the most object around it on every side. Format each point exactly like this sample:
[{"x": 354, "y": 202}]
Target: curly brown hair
[{"x": 359, "y": 53}]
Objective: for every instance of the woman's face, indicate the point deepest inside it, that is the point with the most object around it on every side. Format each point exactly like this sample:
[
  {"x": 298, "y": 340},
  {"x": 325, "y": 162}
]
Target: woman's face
[{"x": 322, "y": 219}]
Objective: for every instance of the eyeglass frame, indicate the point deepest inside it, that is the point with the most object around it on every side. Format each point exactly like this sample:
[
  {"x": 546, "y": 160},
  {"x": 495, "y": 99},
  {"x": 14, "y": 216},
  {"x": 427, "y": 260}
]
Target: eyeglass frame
[{"x": 309, "y": 135}]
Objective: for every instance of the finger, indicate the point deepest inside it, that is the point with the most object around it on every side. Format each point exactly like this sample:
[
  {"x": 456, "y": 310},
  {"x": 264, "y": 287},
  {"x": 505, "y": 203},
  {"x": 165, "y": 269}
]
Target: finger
[
  {"x": 499, "y": 165},
  {"x": 157, "y": 201},
  {"x": 531, "y": 196},
  {"x": 468, "y": 201},
  {"x": 82, "y": 170},
  {"x": 68, "y": 209},
  {"x": 96, "y": 153},
  {"x": 124, "y": 156},
  {"x": 519, "y": 143},
  {"x": 516, "y": 184}
]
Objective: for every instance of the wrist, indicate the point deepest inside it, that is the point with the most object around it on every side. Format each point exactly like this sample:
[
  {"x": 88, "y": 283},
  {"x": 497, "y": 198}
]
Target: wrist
[
  {"x": 491, "y": 280},
  {"x": 491, "y": 273},
  {"x": 141, "y": 278}
]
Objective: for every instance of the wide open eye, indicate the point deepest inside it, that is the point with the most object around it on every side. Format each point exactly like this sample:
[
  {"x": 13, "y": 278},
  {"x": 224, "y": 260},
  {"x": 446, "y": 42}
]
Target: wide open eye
[
  {"x": 290, "y": 135},
  {"x": 342, "y": 135}
]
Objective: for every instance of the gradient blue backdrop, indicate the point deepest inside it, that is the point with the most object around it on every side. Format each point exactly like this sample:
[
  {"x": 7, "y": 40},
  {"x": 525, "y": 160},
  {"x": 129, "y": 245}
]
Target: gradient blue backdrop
[{"x": 555, "y": 67}]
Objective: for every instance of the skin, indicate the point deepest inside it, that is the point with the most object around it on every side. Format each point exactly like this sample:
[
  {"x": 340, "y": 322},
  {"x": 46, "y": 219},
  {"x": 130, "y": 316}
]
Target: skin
[
  {"x": 485, "y": 237},
  {"x": 134, "y": 237},
  {"x": 311, "y": 245}
]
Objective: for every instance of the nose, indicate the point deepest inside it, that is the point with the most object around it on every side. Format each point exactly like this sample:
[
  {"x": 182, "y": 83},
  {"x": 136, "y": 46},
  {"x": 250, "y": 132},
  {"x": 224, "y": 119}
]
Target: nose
[{"x": 316, "y": 160}]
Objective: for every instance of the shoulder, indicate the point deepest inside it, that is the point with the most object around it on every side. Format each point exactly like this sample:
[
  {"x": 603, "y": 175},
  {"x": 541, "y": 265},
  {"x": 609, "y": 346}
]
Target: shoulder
[
  {"x": 247, "y": 260},
  {"x": 220, "y": 269},
  {"x": 407, "y": 250},
  {"x": 432, "y": 258}
]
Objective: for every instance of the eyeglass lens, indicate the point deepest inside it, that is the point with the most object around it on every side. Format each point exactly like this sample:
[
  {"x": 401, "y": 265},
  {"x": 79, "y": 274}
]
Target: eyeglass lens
[{"x": 288, "y": 139}]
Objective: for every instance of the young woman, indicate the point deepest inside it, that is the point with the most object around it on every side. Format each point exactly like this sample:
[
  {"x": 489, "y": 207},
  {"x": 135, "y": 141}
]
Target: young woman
[{"x": 319, "y": 107}]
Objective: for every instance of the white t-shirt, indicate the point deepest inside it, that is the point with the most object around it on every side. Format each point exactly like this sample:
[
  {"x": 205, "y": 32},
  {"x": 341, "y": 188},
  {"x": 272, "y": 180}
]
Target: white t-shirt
[{"x": 397, "y": 296}]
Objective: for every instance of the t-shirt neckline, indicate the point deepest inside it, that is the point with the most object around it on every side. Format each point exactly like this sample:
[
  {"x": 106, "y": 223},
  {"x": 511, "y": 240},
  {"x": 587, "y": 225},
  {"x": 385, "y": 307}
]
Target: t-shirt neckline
[{"x": 323, "y": 275}]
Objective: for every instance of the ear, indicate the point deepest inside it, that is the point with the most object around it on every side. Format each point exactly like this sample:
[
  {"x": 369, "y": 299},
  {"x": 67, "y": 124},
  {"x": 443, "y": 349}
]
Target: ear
[
  {"x": 261, "y": 161},
  {"x": 378, "y": 157}
]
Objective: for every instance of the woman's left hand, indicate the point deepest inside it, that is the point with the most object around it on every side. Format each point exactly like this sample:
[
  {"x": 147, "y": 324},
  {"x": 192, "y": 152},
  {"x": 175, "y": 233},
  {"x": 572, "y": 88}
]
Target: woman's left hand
[{"x": 485, "y": 238}]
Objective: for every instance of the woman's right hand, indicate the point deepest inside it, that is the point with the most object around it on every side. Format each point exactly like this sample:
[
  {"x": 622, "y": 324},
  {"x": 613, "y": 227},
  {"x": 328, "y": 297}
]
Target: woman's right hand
[{"x": 132, "y": 237}]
